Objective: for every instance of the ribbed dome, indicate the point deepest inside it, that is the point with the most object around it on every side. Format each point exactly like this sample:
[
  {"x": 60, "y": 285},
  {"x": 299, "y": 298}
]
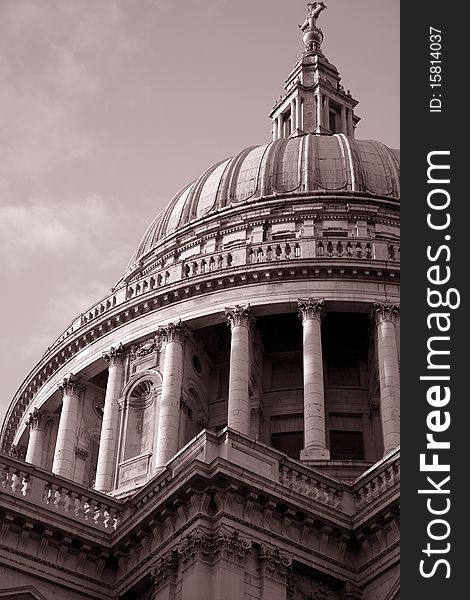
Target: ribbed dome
[{"x": 310, "y": 164}]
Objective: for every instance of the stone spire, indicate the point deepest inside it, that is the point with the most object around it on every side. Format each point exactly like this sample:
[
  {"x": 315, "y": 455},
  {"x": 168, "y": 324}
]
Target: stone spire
[{"x": 314, "y": 100}]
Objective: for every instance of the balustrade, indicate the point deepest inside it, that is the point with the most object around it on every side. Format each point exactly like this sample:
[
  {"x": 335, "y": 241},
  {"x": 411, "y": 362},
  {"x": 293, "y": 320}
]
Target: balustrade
[{"x": 50, "y": 492}]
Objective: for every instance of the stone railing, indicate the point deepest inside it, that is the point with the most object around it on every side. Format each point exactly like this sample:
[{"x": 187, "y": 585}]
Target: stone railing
[
  {"x": 206, "y": 264},
  {"x": 382, "y": 477},
  {"x": 356, "y": 248},
  {"x": 303, "y": 481},
  {"x": 274, "y": 251},
  {"x": 52, "y": 493},
  {"x": 262, "y": 461}
]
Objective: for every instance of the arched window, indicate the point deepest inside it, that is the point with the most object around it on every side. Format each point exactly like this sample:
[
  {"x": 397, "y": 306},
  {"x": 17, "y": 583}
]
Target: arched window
[{"x": 140, "y": 415}]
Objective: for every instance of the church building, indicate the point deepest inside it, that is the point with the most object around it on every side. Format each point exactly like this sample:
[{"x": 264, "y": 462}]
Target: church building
[{"x": 224, "y": 424}]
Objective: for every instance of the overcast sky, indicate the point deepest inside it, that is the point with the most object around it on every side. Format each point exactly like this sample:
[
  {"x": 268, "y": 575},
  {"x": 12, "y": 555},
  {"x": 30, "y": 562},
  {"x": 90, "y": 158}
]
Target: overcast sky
[{"x": 109, "y": 107}]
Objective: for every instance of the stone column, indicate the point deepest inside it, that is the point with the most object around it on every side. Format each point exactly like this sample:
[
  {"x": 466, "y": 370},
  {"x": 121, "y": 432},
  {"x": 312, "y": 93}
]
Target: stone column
[
  {"x": 109, "y": 429},
  {"x": 274, "y": 129},
  {"x": 319, "y": 109},
  {"x": 311, "y": 312},
  {"x": 344, "y": 123},
  {"x": 385, "y": 316},
  {"x": 173, "y": 336},
  {"x": 64, "y": 456},
  {"x": 298, "y": 107},
  {"x": 293, "y": 115},
  {"x": 280, "y": 125},
  {"x": 274, "y": 568},
  {"x": 239, "y": 319},
  {"x": 326, "y": 111},
  {"x": 350, "y": 122},
  {"x": 38, "y": 422}
]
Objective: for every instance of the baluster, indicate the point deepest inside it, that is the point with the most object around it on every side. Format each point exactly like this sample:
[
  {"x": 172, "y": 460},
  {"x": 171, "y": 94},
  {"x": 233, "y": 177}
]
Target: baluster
[{"x": 4, "y": 476}]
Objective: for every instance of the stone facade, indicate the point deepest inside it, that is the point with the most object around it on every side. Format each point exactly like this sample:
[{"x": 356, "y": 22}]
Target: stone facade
[{"x": 225, "y": 423}]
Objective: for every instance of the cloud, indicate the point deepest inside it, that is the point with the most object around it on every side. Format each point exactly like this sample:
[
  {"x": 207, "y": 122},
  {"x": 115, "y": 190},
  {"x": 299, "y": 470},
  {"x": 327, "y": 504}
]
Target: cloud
[
  {"x": 55, "y": 59},
  {"x": 57, "y": 232}
]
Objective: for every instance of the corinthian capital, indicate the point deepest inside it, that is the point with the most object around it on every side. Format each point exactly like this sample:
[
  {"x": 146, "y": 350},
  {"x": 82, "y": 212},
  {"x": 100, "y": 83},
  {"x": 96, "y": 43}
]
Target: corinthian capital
[
  {"x": 71, "y": 386},
  {"x": 385, "y": 311},
  {"x": 273, "y": 563},
  {"x": 238, "y": 315},
  {"x": 172, "y": 332},
  {"x": 38, "y": 419},
  {"x": 311, "y": 308},
  {"x": 114, "y": 356}
]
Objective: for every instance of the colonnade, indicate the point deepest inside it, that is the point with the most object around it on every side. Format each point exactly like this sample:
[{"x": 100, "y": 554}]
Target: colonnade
[
  {"x": 311, "y": 311},
  {"x": 287, "y": 122}
]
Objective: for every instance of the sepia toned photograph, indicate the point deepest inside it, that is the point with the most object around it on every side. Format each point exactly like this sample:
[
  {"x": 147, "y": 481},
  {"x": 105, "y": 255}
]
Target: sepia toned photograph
[{"x": 200, "y": 258}]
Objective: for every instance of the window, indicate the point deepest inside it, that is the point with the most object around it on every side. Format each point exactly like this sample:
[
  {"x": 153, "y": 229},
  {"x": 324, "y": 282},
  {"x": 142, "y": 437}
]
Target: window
[
  {"x": 346, "y": 445},
  {"x": 290, "y": 442}
]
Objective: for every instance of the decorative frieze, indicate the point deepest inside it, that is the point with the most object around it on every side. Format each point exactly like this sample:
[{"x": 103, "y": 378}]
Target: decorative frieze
[
  {"x": 114, "y": 355},
  {"x": 385, "y": 311},
  {"x": 238, "y": 315},
  {"x": 311, "y": 309},
  {"x": 145, "y": 348}
]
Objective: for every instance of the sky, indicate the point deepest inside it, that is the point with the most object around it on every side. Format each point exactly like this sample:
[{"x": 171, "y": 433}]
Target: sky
[{"x": 109, "y": 107}]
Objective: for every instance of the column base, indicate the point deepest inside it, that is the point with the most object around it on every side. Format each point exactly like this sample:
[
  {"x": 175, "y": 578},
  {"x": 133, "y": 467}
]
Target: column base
[{"x": 315, "y": 454}]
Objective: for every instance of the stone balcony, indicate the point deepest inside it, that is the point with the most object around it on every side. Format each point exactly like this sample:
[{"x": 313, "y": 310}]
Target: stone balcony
[
  {"x": 257, "y": 465},
  {"x": 105, "y": 543}
]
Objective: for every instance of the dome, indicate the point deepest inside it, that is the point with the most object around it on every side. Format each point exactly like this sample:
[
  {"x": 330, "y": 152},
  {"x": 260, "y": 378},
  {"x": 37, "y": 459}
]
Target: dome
[{"x": 307, "y": 164}]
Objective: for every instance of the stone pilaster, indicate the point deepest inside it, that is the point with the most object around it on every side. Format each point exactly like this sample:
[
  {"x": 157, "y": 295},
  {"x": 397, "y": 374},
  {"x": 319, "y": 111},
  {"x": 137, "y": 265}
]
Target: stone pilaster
[
  {"x": 164, "y": 572},
  {"x": 239, "y": 319},
  {"x": 64, "y": 456},
  {"x": 298, "y": 118},
  {"x": 350, "y": 592},
  {"x": 172, "y": 336},
  {"x": 385, "y": 316},
  {"x": 311, "y": 312},
  {"x": 109, "y": 429},
  {"x": 38, "y": 422},
  {"x": 274, "y": 568}
]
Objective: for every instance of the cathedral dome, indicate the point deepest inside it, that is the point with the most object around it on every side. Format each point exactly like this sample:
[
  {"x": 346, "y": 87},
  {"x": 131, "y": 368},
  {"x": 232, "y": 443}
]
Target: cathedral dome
[{"x": 308, "y": 164}]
